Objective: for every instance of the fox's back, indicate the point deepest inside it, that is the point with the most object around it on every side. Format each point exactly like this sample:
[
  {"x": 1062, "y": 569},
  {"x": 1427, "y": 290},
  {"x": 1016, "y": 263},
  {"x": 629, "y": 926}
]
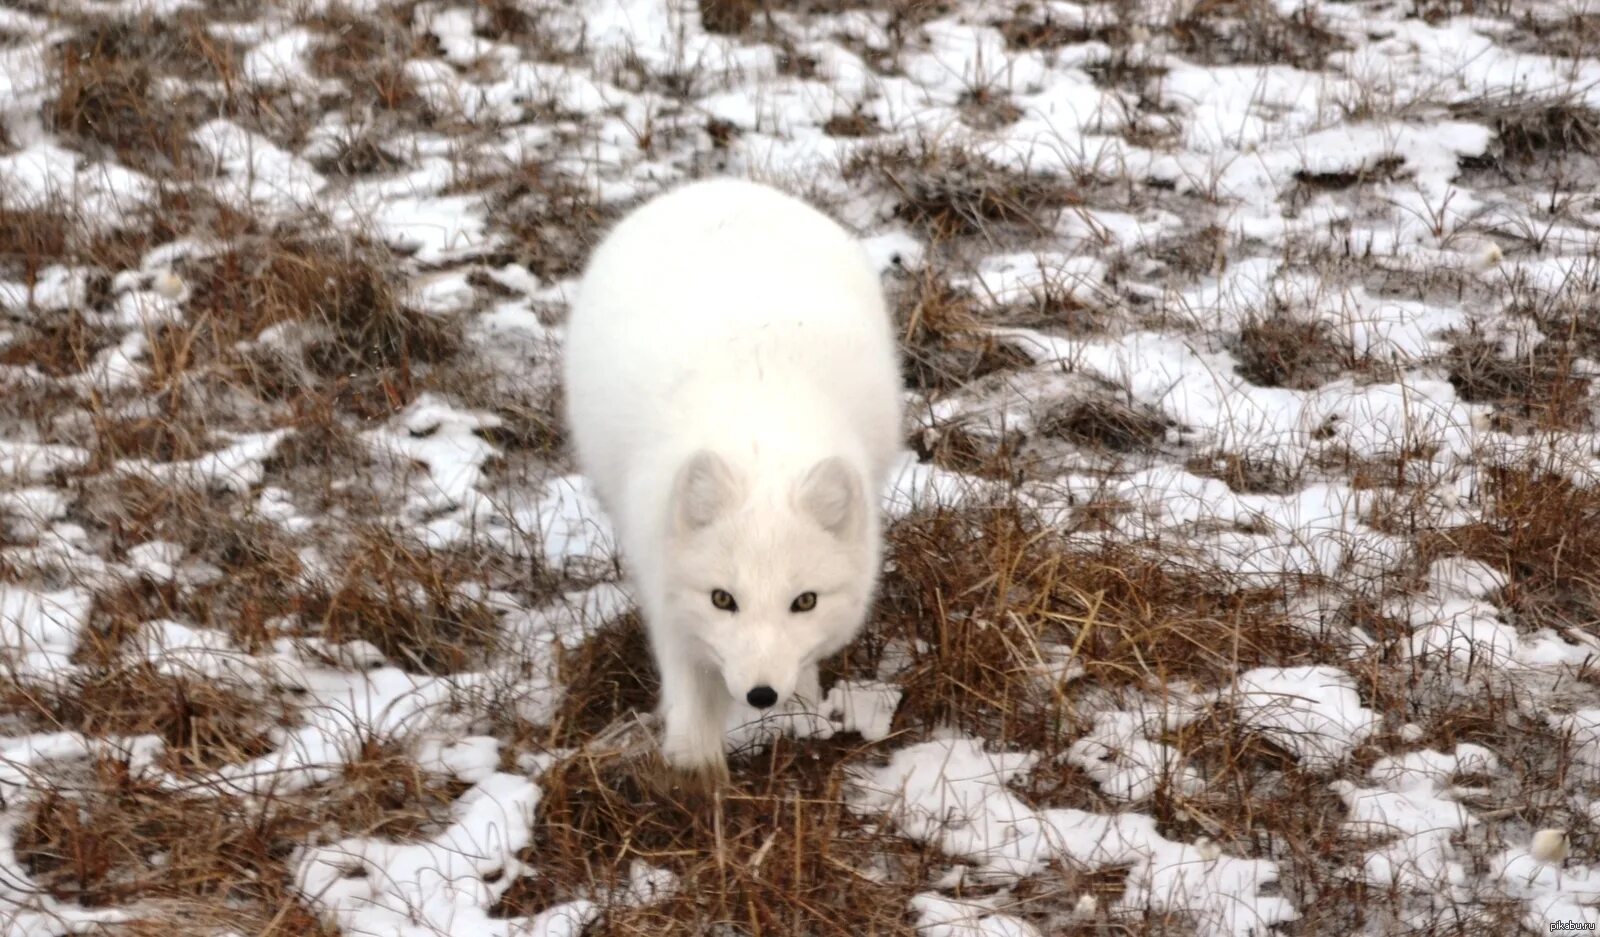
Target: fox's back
[
  {"x": 729, "y": 264},
  {"x": 716, "y": 310}
]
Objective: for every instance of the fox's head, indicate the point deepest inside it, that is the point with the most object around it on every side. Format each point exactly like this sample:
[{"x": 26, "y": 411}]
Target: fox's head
[{"x": 766, "y": 576}]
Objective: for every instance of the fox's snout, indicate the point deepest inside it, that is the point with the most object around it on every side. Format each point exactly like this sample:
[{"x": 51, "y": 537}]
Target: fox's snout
[
  {"x": 759, "y": 691},
  {"x": 763, "y": 683}
]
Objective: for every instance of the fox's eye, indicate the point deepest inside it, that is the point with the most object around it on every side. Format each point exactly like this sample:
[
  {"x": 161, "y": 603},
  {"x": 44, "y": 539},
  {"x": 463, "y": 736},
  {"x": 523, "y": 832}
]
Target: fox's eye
[
  {"x": 804, "y": 602},
  {"x": 722, "y": 600}
]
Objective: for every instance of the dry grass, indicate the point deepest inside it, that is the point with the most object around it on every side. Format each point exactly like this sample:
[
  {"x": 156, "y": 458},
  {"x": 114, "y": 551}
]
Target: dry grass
[
  {"x": 203, "y": 724},
  {"x": 997, "y": 602},
  {"x": 43, "y": 232},
  {"x": 1062, "y": 885},
  {"x": 316, "y": 332},
  {"x": 367, "y": 52},
  {"x": 1253, "y": 32},
  {"x": 987, "y": 601},
  {"x": 58, "y": 344},
  {"x": 383, "y": 793},
  {"x": 1537, "y": 131},
  {"x": 1541, "y": 391},
  {"x": 1540, "y": 530},
  {"x": 408, "y": 602},
  {"x": 978, "y": 590},
  {"x": 1564, "y": 316},
  {"x": 1381, "y": 171},
  {"x": 778, "y": 853},
  {"x": 1105, "y": 424},
  {"x": 854, "y": 124},
  {"x": 944, "y": 344},
  {"x": 1245, "y": 474},
  {"x": 1193, "y": 254},
  {"x": 32, "y": 239},
  {"x": 256, "y": 560},
  {"x": 117, "y": 841},
  {"x": 950, "y": 192},
  {"x": 212, "y": 860},
  {"x": 609, "y": 676},
  {"x": 1281, "y": 351},
  {"x": 553, "y": 221},
  {"x": 351, "y": 292},
  {"x": 1258, "y": 802},
  {"x": 162, "y": 437},
  {"x": 110, "y": 73},
  {"x": 1025, "y": 28},
  {"x": 322, "y": 459},
  {"x": 536, "y": 427},
  {"x": 1057, "y": 308},
  {"x": 729, "y": 17},
  {"x": 977, "y": 454},
  {"x": 1573, "y": 35}
]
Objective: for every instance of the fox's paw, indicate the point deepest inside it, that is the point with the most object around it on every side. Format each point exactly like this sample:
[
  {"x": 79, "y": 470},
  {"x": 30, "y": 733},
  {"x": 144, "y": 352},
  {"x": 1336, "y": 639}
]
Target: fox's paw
[
  {"x": 696, "y": 766},
  {"x": 695, "y": 750}
]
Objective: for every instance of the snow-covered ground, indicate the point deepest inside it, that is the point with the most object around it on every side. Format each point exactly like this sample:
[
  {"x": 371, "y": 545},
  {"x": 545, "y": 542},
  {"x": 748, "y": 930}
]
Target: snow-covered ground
[{"x": 1270, "y": 324}]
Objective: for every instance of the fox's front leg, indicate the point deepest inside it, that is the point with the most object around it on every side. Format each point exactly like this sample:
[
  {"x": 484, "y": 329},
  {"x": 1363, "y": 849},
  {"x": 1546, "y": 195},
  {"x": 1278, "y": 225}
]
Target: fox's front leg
[
  {"x": 808, "y": 689},
  {"x": 694, "y": 710}
]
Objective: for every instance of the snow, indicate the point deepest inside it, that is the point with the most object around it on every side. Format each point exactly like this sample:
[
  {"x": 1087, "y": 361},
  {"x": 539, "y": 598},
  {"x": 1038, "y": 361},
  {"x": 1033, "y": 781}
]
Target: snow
[
  {"x": 952, "y": 794},
  {"x": 236, "y": 467},
  {"x": 1125, "y": 765},
  {"x": 445, "y": 441},
  {"x": 1314, "y": 712},
  {"x": 1240, "y": 163},
  {"x": 258, "y": 174},
  {"x": 43, "y": 176},
  {"x": 938, "y": 916},
  {"x": 28, "y": 461},
  {"x": 864, "y": 706},
  {"x": 439, "y": 883},
  {"x": 434, "y": 229},
  {"x": 281, "y": 62},
  {"x": 39, "y": 630}
]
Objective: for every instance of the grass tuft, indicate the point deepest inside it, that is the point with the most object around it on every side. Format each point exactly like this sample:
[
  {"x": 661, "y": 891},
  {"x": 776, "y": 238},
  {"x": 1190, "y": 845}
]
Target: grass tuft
[
  {"x": 59, "y": 343},
  {"x": 110, "y": 76},
  {"x": 944, "y": 344},
  {"x": 1538, "y": 131},
  {"x": 217, "y": 864},
  {"x": 608, "y": 676},
  {"x": 1105, "y": 424},
  {"x": 951, "y": 192},
  {"x": 408, "y": 602},
  {"x": 779, "y": 852},
  {"x": 32, "y": 239},
  {"x": 1253, "y": 32},
  {"x": 1280, "y": 351},
  {"x": 1540, "y": 530},
  {"x": 368, "y": 53},
  {"x": 358, "y": 338},
  {"x": 552, "y": 220},
  {"x": 204, "y": 724},
  {"x": 980, "y": 455},
  {"x": 1541, "y": 390},
  {"x": 993, "y": 604},
  {"x": 1246, "y": 474}
]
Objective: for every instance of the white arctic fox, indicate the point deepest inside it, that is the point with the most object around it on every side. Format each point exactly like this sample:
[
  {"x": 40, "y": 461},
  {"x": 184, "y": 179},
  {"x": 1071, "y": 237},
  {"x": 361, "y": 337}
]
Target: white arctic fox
[{"x": 733, "y": 394}]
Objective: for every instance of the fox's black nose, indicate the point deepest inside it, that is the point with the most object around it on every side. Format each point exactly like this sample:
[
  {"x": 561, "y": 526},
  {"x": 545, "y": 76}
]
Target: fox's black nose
[{"x": 762, "y": 696}]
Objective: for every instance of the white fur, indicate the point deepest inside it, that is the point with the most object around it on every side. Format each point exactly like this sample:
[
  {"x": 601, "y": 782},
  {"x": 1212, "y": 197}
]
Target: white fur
[{"x": 733, "y": 393}]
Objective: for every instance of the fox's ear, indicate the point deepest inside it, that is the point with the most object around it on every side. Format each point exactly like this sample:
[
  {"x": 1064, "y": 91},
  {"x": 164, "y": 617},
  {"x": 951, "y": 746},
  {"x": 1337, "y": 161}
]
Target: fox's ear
[
  {"x": 831, "y": 494},
  {"x": 705, "y": 488}
]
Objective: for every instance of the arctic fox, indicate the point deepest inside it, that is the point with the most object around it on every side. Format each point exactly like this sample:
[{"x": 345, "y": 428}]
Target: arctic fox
[{"x": 734, "y": 396}]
